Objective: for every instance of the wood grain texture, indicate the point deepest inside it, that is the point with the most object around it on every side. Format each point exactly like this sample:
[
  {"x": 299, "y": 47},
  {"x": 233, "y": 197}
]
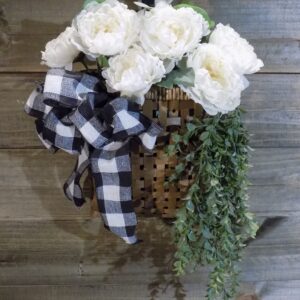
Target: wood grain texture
[
  {"x": 278, "y": 290},
  {"x": 266, "y": 290},
  {"x": 272, "y": 102},
  {"x": 101, "y": 292},
  {"x": 255, "y": 19},
  {"x": 15, "y": 124},
  {"x": 275, "y": 166},
  {"x": 271, "y": 26},
  {"x": 273, "y": 110},
  {"x": 51, "y": 250},
  {"x": 31, "y": 184},
  {"x": 83, "y": 253}
]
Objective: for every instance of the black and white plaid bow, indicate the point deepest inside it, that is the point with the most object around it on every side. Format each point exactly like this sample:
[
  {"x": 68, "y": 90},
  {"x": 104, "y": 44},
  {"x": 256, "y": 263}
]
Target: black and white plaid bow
[{"x": 75, "y": 114}]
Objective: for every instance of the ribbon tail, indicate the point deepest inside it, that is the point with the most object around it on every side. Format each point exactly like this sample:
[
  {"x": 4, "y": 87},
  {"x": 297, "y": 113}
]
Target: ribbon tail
[
  {"x": 111, "y": 169},
  {"x": 72, "y": 187}
]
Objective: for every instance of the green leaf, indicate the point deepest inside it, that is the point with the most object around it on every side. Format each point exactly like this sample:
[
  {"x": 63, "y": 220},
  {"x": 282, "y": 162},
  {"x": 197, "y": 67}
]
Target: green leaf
[
  {"x": 190, "y": 206},
  {"x": 182, "y": 63},
  {"x": 167, "y": 82},
  {"x": 206, "y": 233},
  {"x": 185, "y": 138},
  {"x": 170, "y": 149},
  {"x": 214, "y": 222},
  {"x": 207, "y": 246},
  {"x": 194, "y": 188},
  {"x": 87, "y": 2},
  {"x": 179, "y": 168},
  {"x": 190, "y": 157},
  {"x": 176, "y": 137},
  {"x": 185, "y": 77},
  {"x": 191, "y": 236},
  {"x": 102, "y": 61},
  {"x": 200, "y": 11},
  {"x": 191, "y": 127},
  {"x": 214, "y": 182},
  {"x": 204, "y": 135},
  {"x": 249, "y": 216}
]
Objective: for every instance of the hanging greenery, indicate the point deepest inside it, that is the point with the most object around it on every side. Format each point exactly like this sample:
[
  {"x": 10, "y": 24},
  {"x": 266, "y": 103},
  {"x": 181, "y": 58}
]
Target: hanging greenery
[{"x": 214, "y": 221}]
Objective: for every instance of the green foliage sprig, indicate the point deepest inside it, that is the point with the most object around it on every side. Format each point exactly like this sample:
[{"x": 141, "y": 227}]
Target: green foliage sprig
[{"x": 214, "y": 221}]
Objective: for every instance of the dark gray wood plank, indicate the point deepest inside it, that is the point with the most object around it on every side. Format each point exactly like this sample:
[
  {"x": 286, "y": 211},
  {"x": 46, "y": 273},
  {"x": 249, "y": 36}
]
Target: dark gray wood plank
[
  {"x": 272, "y": 104},
  {"x": 102, "y": 292},
  {"x": 271, "y": 26},
  {"x": 270, "y": 200},
  {"x": 111, "y": 292},
  {"x": 16, "y": 128},
  {"x": 31, "y": 186},
  {"x": 275, "y": 166},
  {"x": 266, "y": 290},
  {"x": 278, "y": 290},
  {"x": 255, "y": 19},
  {"x": 82, "y": 252},
  {"x": 279, "y": 55}
]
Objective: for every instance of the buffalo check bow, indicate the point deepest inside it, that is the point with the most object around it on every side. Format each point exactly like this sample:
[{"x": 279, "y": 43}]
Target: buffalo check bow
[{"x": 75, "y": 113}]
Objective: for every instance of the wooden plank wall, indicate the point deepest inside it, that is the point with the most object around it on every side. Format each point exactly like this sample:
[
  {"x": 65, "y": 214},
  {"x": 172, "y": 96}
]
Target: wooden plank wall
[{"x": 50, "y": 250}]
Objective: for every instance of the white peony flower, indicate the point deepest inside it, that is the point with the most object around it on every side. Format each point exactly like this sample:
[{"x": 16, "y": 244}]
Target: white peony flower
[
  {"x": 60, "y": 52},
  {"x": 106, "y": 28},
  {"x": 241, "y": 52},
  {"x": 169, "y": 33},
  {"x": 133, "y": 72},
  {"x": 217, "y": 85}
]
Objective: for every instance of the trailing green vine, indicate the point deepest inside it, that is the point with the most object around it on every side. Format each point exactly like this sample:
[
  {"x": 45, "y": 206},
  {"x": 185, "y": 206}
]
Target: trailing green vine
[{"x": 214, "y": 222}]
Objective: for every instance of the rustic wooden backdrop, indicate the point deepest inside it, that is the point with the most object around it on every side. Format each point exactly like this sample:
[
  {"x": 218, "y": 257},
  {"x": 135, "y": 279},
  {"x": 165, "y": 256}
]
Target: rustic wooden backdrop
[{"x": 51, "y": 250}]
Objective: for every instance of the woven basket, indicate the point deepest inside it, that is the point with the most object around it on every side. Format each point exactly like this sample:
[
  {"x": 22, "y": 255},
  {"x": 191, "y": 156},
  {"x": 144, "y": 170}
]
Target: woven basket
[{"x": 171, "y": 108}]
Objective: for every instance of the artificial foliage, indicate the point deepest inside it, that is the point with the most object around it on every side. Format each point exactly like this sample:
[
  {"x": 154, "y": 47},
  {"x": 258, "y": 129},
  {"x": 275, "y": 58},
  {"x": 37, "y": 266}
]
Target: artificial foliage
[{"x": 214, "y": 221}]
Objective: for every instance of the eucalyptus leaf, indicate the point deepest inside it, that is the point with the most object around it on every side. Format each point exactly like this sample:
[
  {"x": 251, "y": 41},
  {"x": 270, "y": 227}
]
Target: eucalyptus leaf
[
  {"x": 182, "y": 64},
  {"x": 168, "y": 81},
  {"x": 185, "y": 77},
  {"x": 179, "y": 168},
  {"x": 102, "y": 61},
  {"x": 191, "y": 236},
  {"x": 204, "y": 135},
  {"x": 190, "y": 206},
  {"x": 191, "y": 127},
  {"x": 214, "y": 222}
]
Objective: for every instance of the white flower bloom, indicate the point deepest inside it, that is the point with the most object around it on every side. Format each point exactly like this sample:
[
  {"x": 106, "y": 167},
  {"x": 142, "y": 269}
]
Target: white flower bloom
[
  {"x": 133, "y": 72},
  {"x": 60, "y": 52},
  {"x": 165, "y": 1},
  {"x": 217, "y": 85},
  {"x": 241, "y": 52},
  {"x": 169, "y": 33},
  {"x": 106, "y": 28}
]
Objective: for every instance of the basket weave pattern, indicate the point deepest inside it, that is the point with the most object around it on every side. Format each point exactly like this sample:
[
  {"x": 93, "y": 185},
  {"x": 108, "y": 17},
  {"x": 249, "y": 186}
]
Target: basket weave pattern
[{"x": 171, "y": 108}]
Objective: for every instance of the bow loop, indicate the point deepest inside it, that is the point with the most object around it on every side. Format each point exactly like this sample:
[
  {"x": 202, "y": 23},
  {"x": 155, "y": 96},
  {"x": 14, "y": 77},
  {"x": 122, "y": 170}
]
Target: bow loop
[
  {"x": 68, "y": 89},
  {"x": 76, "y": 115},
  {"x": 88, "y": 121},
  {"x": 123, "y": 117}
]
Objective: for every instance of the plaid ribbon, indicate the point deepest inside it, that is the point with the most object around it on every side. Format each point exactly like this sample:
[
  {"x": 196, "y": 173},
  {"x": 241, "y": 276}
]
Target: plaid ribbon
[{"x": 75, "y": 113}]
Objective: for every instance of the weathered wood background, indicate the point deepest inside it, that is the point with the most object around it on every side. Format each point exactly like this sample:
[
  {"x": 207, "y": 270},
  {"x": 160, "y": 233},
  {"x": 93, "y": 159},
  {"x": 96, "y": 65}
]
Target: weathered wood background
[{"x": 50, "y": 250}]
